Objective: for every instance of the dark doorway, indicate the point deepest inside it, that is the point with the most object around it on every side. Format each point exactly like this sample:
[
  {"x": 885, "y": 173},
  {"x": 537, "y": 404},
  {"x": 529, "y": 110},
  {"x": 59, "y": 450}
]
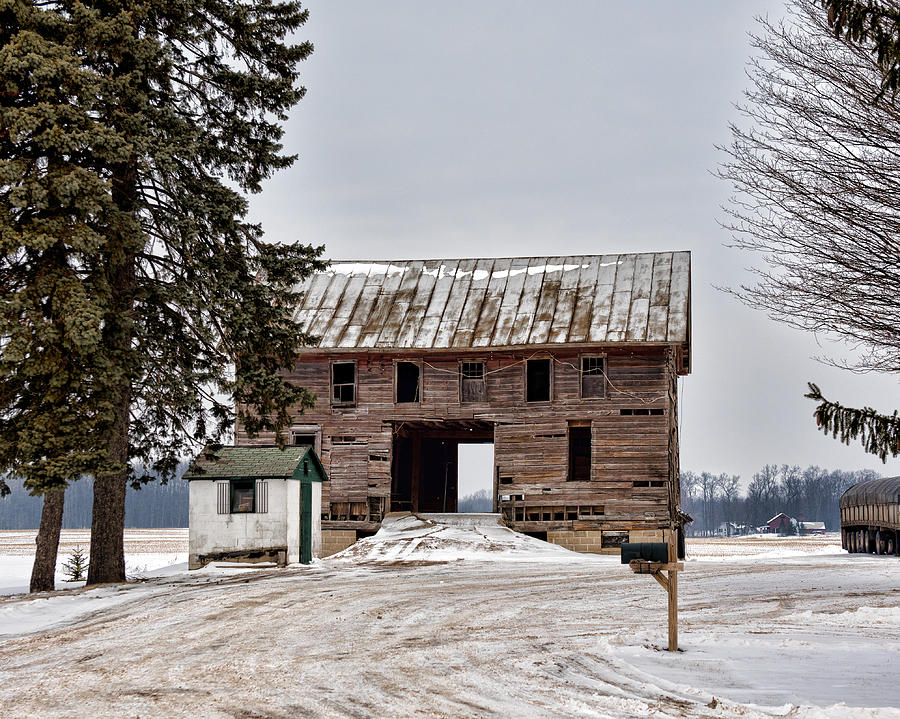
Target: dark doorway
[
  {"x": 579, "y": 453},
  {"x": 425, "y": 463}
]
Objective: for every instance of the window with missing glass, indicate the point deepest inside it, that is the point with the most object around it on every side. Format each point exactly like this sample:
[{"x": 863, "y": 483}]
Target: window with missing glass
[
  {"x": 593, "y": 376},
  {"x": 537, "y": 380},
  {"x": 471, "y": 382},
  {"x": 343, "y": 383},
  {"x": 408, "y": 382}
]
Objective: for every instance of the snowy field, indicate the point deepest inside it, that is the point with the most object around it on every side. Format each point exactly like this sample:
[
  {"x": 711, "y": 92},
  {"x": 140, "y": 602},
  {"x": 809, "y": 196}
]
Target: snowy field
[
  {"x": 428, "y": 619},
  {"x": 145, "y": 550}
]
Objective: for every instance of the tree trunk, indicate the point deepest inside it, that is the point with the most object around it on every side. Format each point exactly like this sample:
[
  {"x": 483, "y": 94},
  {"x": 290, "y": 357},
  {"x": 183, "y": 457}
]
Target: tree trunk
[
  {"x": 107, "y": 563},
  {"x": 44, "y": 570}
]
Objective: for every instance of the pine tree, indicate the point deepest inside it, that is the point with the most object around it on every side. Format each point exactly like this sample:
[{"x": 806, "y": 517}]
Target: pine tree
[
  {"x": 76, "y": 566},
  {"x": 874, "y": 23},
  {"x": 130, "y": 131},
  {"x": 878, "y": 433}
]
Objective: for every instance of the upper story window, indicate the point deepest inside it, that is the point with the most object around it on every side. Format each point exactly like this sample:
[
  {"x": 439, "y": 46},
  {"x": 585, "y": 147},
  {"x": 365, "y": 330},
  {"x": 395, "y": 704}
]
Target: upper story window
[
  {"x": 537, "y": 380},
  {"x": 593, "y": 376},
  {"x": 343, "y": 383},
  {"x": 471, "y": 382},
  {"x": 408, "y": 382}
]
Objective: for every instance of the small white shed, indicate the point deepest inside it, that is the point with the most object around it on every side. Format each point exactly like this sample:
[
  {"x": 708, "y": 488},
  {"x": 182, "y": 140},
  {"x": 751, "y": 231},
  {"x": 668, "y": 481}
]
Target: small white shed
[{"x": 255, "y": 504}]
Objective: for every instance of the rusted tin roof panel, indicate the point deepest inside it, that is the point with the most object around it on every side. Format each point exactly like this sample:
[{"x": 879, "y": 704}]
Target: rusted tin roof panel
[{"x": 506, "y": 302}]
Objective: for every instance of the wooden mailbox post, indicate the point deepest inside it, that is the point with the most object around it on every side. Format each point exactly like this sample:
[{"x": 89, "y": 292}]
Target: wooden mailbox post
[{"x": 654, "y": 558}]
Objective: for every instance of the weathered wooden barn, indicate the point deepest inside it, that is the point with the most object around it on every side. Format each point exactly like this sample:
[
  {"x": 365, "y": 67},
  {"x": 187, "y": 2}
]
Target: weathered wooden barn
[
  {"x": 870, "y": 517},
  {"x": 568, "y": 365}
]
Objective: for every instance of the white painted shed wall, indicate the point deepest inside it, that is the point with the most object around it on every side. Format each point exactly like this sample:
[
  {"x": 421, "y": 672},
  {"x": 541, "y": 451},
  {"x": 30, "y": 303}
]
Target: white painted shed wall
[{"x": 212, "y": 532}]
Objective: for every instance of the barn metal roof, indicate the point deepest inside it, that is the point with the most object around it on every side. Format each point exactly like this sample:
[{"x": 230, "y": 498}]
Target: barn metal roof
[
  {"x": 256, "y": 462},
  {"x": 876, "y": 491},
  {"x": 503, "y": 302}
]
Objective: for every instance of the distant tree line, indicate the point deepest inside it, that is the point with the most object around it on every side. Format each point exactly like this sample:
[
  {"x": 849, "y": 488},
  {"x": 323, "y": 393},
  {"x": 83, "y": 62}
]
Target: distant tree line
[
  {"x": 153, "y": 505},
  {"x": 475, "y": 503},
  {"x": 809, "y": 494}
]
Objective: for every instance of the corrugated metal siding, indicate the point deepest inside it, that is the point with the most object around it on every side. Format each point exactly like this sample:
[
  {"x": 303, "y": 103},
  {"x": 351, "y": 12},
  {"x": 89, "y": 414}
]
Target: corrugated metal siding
[{"x": 507, "y": 302}]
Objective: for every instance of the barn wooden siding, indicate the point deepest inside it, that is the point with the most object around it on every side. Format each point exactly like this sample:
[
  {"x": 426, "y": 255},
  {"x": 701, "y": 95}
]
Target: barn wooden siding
[{"x": 634, "y": 463}]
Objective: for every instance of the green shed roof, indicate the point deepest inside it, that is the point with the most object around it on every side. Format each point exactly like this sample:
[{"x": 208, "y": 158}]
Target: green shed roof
[{"x": 269, "y": 462}]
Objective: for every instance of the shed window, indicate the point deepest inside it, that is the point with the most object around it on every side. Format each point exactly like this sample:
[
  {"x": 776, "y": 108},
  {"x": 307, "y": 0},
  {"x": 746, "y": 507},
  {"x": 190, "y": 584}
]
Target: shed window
[
  {"x": 242, "y": 496},
  {"x": 471, "y": 382},
  {"x": 408, "y": 382},
  {"x": 343, "y": 383},
  {"x": 593, "y": 377},
  {"x": 579, "y": 454},
  {"x": 537, "y": 380}
]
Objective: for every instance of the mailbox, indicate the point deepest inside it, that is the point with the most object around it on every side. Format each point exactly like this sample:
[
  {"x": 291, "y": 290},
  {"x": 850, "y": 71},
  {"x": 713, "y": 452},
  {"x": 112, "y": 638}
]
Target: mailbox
[{"x": 649, "y": 551}]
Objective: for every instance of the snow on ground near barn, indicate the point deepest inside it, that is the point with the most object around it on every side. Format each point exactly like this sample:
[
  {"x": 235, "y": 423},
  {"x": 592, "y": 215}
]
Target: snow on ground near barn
[{"x": 435, "y": 620}]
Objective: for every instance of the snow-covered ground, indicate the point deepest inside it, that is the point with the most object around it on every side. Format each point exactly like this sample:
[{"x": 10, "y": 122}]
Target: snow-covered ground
[
  {"x": 145, "y": 550},
  {"x": 428, "y": 619}
]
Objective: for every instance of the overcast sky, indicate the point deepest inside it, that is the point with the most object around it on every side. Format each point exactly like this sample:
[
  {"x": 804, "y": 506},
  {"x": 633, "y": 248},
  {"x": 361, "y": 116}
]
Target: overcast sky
[{"x": 491, "y": 129}]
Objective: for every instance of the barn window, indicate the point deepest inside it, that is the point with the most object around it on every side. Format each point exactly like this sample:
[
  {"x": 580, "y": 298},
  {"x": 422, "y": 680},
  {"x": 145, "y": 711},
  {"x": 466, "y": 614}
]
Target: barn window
[
  {"x": 343, "y": 383},
  {"x": 537, "y": 380},
  {"x": 242, "y": 496},
  {"x": 302, "y": 439},
  {"x": 593, "y": 377},
  {"x": 579, "y": 454},
  {"x": 471, "y": 382},
  {"x": 407, "y": 382}
]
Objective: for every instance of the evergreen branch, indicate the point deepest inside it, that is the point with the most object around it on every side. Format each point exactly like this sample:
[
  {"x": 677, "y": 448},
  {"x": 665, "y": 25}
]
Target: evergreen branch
[{"x": 878, "y": 433}]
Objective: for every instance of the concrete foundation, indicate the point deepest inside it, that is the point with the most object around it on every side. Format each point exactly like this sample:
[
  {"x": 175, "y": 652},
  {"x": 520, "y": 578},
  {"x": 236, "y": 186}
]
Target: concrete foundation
[
  {"x": 336, "y": 540},
  {"x": 590, "y": 541}
]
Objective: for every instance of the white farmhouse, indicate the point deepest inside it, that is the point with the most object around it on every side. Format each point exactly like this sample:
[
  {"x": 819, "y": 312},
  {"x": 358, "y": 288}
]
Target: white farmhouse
[{"x": 255, "y": 504}]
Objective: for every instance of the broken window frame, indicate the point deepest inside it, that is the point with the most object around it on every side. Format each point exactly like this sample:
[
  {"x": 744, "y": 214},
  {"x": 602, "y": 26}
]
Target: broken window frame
[
  {"x": 354, "y": 384},
  {"x": 310, "y": 431},
  {"x": 549, "y": 361},
  {"x": 419, "y": 388},
  {"x": 474, "y": 380},
  {"x": 593, "y": 373}
]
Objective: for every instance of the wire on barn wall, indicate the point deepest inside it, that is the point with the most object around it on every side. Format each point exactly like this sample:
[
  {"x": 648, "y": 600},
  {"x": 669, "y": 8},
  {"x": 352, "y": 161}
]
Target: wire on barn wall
[{"x": 543, "y": 355}]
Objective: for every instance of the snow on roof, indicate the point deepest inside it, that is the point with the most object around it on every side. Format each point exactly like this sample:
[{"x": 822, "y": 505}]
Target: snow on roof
[{"x": 503, "y": 302}]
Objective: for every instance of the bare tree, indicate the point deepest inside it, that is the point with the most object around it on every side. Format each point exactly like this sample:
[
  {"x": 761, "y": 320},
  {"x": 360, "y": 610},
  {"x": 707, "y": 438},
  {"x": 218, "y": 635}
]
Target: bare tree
[
  {"x": 709, "y": 489},
  {"x": 730, "y": 492},
  {"x": 816, "y": 174},
  {"x": 791, "y": 481},
  {"x": 762, "y": 495}
]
